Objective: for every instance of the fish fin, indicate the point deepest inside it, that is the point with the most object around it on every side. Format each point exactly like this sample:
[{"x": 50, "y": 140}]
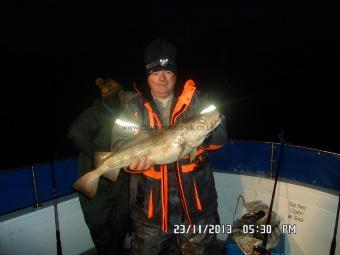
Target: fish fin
[
  {"x": 196, "y": 143},
  {"x": 100, "y": 157},
  {"x": 137, "y": 139},
  {"x": 112, "y": 174},
  {"x": 87, "y": 184},
  {"x": 183, "y": 152},
  {"x": 192, "y": 155}
]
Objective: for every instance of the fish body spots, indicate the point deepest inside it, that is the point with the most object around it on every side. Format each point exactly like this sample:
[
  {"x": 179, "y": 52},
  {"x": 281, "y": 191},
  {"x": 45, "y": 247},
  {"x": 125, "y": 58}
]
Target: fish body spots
[{"x": 177, "y": 141}]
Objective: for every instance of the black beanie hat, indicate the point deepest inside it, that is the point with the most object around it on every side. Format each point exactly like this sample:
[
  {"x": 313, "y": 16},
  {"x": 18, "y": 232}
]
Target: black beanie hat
[{"x": 160, "y": 55}]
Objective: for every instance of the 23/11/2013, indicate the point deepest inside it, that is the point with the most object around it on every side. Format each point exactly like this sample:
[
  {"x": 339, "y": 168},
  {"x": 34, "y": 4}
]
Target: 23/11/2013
[{"x": 202, "y": 229}]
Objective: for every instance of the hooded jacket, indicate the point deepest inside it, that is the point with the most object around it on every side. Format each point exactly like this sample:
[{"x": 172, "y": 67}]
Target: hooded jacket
[{"x": 91, "y": 132}]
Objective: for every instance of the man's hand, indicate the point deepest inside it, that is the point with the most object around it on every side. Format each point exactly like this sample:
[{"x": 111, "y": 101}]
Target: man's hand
[{"x": 141, "y": 164}]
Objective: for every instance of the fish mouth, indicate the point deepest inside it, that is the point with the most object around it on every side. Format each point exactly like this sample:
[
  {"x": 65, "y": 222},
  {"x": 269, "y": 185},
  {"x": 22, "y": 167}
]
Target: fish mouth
[{"x": 217, "y": 122}]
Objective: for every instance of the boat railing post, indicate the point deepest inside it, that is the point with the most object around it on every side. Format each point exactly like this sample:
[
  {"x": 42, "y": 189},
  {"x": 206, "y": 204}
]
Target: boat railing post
[
  {"x": 272, "y": 160},
  {"x": 36, "y": 197}
]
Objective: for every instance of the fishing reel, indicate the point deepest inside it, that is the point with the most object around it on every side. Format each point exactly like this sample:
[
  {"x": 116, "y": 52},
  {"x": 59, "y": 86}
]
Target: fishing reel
[
  {"x": 254, "y": 217},
  {"x": 260, "y": 251}
]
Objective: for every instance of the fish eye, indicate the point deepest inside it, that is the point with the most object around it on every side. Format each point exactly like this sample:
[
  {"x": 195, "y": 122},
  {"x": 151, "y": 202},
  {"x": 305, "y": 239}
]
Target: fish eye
[
  {"x": 203, "y": 120},
  {"x": 178, "y": 141}
]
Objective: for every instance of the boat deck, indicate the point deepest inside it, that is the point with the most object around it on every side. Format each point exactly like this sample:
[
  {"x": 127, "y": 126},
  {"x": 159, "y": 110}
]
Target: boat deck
[{"x": 173, "y": 250}]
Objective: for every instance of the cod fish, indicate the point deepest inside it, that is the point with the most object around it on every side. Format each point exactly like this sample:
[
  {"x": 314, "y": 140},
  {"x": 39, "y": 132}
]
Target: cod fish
[{"x": 164, "y": 147}]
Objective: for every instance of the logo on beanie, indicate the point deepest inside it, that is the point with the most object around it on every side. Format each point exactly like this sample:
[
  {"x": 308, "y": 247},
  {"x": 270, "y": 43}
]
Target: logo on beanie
[
  {"x": 160, "y": 64},
  {"x": 163, "y": 62}
]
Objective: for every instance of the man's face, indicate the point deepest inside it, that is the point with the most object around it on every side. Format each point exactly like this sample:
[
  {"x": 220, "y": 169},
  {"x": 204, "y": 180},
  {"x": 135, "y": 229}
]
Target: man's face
[{"x": 162, "y": 83}]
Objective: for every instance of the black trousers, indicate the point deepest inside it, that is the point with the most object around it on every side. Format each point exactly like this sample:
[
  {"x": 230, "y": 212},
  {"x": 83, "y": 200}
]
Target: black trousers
[
  {"x": 108, "y": 217},
  {"x": 109, "y": 237},
  {"x": 149, "y": 240}
]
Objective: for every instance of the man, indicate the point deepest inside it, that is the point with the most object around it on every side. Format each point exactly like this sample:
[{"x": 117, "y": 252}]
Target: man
[
  {"x": 183, "y": 192},
  {"x": 107, "y": 215}
]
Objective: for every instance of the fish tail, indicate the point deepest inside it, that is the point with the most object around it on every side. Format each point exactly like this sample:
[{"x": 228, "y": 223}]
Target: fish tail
[{"x": 87, "y": 184}]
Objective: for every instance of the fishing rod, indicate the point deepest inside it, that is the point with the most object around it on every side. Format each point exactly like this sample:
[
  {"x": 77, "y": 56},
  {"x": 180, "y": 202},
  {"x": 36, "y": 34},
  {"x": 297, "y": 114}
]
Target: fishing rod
[
  {"x": 261, "y": 250},
  {"x": 57, "y": 149},
  {"x": 333, "y": 245},
  {"x": 55, "y": 205}
]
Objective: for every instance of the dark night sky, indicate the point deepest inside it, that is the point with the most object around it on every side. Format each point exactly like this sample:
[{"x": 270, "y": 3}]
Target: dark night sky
[{"x": 273, "y": 66}]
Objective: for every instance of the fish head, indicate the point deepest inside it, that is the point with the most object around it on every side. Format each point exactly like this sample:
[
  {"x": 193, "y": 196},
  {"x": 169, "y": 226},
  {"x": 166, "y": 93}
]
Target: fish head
[
  {"x": 199, "y": 127},
  {"x": 210, "y": 120}
]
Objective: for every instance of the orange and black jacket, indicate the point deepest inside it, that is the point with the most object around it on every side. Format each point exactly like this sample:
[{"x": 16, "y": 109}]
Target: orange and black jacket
[{"x": 149, "y": 189}]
